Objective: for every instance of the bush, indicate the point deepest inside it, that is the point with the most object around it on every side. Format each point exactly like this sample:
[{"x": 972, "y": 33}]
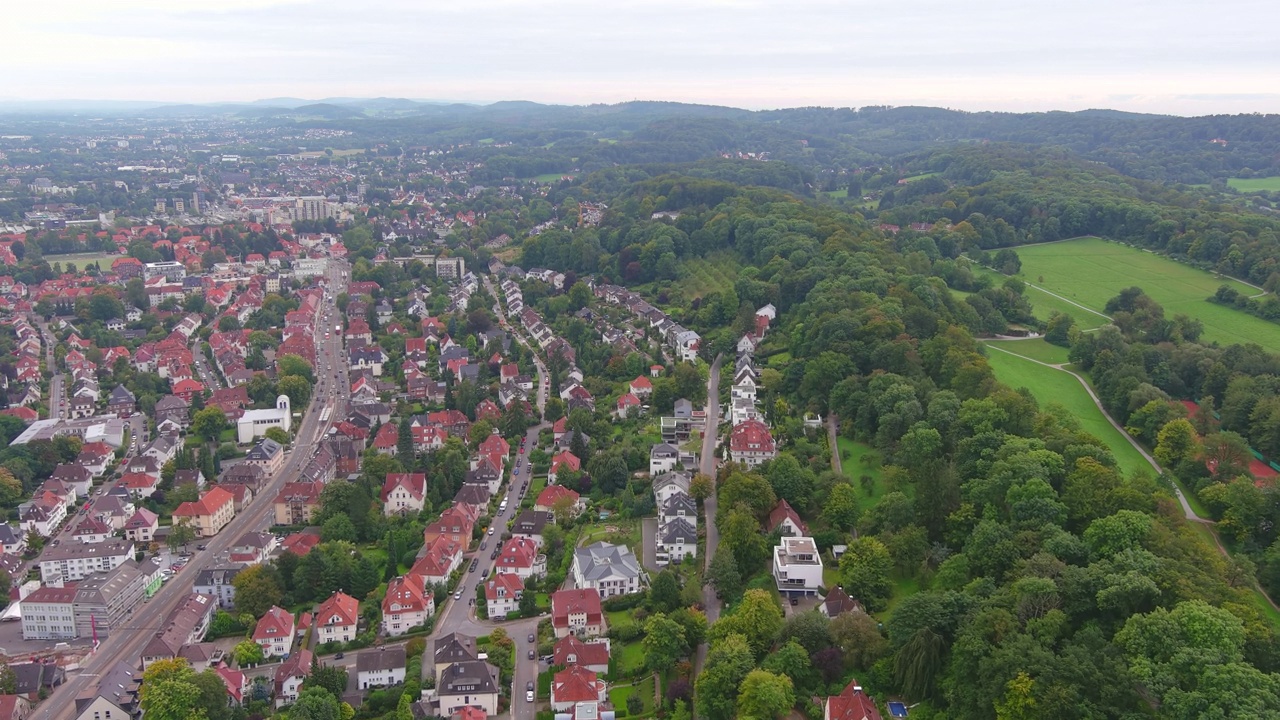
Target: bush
[{"x": 624, "y": 602}]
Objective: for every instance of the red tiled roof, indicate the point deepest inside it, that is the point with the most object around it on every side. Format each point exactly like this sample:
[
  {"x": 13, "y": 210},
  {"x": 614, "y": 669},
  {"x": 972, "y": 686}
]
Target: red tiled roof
[{"x": 572, "y": 602}]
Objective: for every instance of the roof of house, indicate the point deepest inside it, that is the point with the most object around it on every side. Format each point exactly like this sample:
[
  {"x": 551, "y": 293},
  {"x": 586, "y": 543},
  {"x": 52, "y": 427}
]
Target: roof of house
[
  {"x": 386, "y": 657},
  {"x": 783, "y": 511},
  {"x": 838, "y": 601},
  {"x": 476, "y": 676},
  {"x": 584, "y": 653},
  {"x": 508, "y": 582},
  {"x": 600, "y": 560},
  {"x": 277, "y": 622},
  {"x": 552, "y": 493},
  {"x": 207, "y": 505},
  {"x": 852, "y": 704},
  {"x": 573, "y": 602},
  {"x": 414, "y": 483},
  {"x": 454, "y": 647},
  {"x": 575, "y": 684},
  {"x": 339, "y": 609}
]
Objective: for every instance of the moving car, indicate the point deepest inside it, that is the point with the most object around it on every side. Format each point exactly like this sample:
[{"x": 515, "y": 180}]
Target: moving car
[
  {"x": 530, "y": 653},
  {"x": 531, "y": 638}
]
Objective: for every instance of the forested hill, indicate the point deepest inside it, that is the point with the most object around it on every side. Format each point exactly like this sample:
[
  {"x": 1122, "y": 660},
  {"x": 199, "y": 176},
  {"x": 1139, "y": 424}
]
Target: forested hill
[
  {"x": 1001, "y": 196},
  {"x": 1047, "y": 579},
  {"x": 1153, "y": 147}
]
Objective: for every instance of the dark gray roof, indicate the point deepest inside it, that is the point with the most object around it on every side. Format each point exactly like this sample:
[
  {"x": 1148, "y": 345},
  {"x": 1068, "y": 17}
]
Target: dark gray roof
[
  {"x": 531, "y": 522},
  {"x": 679, "y": 530},
  {"x": 454, "y": 647},
  {"x": 387, "y": 657},
  {"x": 265, "y": 450},
  {"x": 473, "y": 677}
]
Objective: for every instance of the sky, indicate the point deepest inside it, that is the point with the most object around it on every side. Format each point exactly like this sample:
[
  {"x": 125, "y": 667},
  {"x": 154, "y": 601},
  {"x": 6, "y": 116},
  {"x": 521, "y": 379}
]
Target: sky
[{"x": 1166, "y": 56}]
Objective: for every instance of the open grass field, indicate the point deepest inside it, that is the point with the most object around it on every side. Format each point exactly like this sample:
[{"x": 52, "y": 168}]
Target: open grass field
[
  {"x": 1035, "y": 348},
  {"x": 1055, "y": 386},
  {"x": 336, "y": 153},
  {"x": 837, "y": 194},
  {"x": 1254, "y": 184},
  {"x": 1091, "y": 271},
  {"x": 858, "y": 459},
  {"x": 550, "y": 177},
  {"x": 716, "y": 271},
  {"x": 921, "y": 176},
  {"x": 80, "y": 260}
]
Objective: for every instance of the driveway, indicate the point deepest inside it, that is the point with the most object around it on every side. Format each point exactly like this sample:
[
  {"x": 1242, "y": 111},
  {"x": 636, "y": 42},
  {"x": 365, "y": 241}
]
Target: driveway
[{"x": 649, "y": 549}]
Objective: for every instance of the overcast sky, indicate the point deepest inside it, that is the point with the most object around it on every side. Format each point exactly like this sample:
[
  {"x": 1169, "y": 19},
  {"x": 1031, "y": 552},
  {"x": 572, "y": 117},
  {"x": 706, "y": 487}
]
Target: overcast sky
[{"x": 1171, "y": 56}]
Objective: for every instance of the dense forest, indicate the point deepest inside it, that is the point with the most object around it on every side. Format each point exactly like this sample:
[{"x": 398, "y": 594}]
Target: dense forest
[{"x": 1048, "y": 579}]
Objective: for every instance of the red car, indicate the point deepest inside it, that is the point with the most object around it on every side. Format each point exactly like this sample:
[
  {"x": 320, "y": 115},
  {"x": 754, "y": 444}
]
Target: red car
[{"x": 521, "y": 449}]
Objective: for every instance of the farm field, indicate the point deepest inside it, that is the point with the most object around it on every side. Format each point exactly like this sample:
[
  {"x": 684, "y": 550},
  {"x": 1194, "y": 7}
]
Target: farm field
[
  {"x": 1055, "y": 386},
  {"x": 1091, "y": 271},
  {"x": 1254, "y": 184},
  {"x": 716, "y": 271}
]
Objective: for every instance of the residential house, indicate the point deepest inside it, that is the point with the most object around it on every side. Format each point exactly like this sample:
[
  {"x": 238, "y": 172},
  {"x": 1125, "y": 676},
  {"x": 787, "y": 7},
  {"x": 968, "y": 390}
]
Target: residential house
[
  {"x": 558, "y": 495},
  {"x": 502, "y": 594},
  {"x": 173, "y": 408},
  {"x": 217, "y": 583},
  {"x": 593, "y": 655},
  {"x": 290, "y": 676},
  {"x": 268, "y": 455},
  {"x": 676, "y": 540},
  {"x": 253, "y": 548},
  {"x": 404, "y": 493},
  {"x": 663, "y": 457},
  {"x": 520, "y": 557},
  {"x": 578, "y": 613},
  {"x": 530, "y": 524},
  {"x": 468, "y": 683},
  {"x": 380, "y": 667},
  {"x": 439, "y": 559},
  {"x": 274, "y": 632},
  {"x": 608, "y": 569},
  {"x": 751, "y": 443},
  {"x": 337, "y": 619},
  {"x": 406, "y": 605},
  {"x": 186, "y": 625},
  {"x": 449, "y": 649},
  {"x": 456, "y": 523},
  {"x": 573, "y": 685},
  {"x": 114, "y": 695},
  {"x": 797, "y": 566},
  {"x": 786, "y": 520},
  {"x": 838, "y": 602},
  {"x": 297, "y": 503},
  {"x": 851, "y": 704},
  {"x": 209, "y": 514},
  {"x": 566, "y": 460}
]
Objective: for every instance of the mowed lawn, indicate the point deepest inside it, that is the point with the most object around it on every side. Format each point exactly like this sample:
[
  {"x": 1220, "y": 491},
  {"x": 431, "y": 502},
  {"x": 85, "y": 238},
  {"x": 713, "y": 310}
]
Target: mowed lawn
[
  {"x": 80, "y": 260},
  {"x": 1091, "y": 271},
  {"x": 862, "y": 460},
  {"x": 1035, "y": 348},
  {"x": 1055, "y": 386},
  {"x": 1254, "y": 184}
]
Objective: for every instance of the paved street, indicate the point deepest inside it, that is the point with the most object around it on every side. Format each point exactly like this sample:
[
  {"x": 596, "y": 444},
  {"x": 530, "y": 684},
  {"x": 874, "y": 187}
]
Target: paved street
[
  {"x": 125, "y": 643},
  {"x": 57, "y": 403},
  {"x": 710, "y": 435}
]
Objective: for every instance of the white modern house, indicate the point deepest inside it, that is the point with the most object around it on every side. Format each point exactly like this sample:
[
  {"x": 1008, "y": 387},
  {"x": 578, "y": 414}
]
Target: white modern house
[{"x": 797, "y": 566}]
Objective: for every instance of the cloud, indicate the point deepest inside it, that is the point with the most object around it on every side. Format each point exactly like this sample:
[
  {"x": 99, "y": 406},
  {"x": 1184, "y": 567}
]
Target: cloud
[{"x": 996, "y": 54}]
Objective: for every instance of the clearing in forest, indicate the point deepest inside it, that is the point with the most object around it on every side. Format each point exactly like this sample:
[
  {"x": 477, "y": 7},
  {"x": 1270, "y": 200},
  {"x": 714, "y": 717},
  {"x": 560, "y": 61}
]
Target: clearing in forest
[
  {"x": 1050, "y": 385},
  {"x": 1091, "y": 271}
]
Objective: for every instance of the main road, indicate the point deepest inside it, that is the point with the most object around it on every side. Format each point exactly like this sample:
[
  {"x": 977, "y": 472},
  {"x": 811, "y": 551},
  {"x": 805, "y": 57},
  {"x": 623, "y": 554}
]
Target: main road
[
  {"x": 458, "y": 614},
  {"x": 125, "y": 643}
]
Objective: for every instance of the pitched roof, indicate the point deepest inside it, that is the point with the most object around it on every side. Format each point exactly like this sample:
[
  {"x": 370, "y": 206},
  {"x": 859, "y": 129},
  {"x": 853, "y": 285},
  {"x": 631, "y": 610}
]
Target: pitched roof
[
  {"x": 276, "y": 623},
  {"x": 784, "y": 511},
  {"x": 852, "y": 704},
  {"x": 575, "y": 684},
  {"x": 552, "y": 493},
  {"x": 584, "y": 653},
  {"x": 339, "y": 609},
  {"x": 207, "y": 505},
  {"x": 510, "y": 584},
  {"x": 573, "y": 602}
]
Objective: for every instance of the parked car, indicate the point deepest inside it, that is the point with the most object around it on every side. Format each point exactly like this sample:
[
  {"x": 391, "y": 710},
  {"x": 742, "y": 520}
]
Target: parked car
[
  {"x": 530, "y": 653},
  {"x": 202, "y": 547},
  {"x": 532, "y": 638}
]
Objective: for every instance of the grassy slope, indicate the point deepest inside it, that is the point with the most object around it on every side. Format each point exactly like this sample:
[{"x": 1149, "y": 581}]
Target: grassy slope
[
  {"x": 1091, "y": 271},
  {"x": 716, "y": 271},
  {"x": 1035, "y": 348},
  {"x": 1054, "y": 386},
  {"x": 1254, "y": 184}
]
